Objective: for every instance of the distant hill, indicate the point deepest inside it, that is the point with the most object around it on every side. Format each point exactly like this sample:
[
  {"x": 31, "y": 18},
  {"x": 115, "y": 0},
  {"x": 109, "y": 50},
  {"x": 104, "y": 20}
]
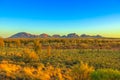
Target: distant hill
[
  {"x": 72, "y": 35},
  {"x": 44, "y": 35},
  {"x": 23, "y": 35}
]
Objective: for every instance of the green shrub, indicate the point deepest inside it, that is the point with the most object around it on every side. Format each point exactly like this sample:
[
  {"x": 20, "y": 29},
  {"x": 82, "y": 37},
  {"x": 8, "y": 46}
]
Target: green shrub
[{"x": 105, "y": 74}]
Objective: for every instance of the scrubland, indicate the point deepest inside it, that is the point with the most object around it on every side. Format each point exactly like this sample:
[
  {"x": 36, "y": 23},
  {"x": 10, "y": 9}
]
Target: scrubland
[{"x": 60, "y": 59}]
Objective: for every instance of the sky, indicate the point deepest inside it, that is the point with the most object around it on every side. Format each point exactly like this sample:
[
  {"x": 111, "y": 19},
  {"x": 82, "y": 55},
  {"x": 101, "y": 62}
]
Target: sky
[{"x": 60, "y": 17}]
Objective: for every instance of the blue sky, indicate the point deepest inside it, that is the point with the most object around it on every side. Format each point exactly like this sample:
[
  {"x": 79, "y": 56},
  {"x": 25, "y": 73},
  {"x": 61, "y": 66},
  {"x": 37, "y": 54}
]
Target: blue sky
[{"x": 60, "y": 17}]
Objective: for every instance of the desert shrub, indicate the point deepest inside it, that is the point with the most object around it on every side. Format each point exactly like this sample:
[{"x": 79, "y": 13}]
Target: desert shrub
[
  {"x": 30, "y": 55},
  {"x": 45, "y": 73},
  {"x": 82, "y": 72},
  {"x": 105, "y": 74},
  {"x": 57, "y": 73},
  {"x": 12, "y": 71},
  {"x": 8, "y": 71}
]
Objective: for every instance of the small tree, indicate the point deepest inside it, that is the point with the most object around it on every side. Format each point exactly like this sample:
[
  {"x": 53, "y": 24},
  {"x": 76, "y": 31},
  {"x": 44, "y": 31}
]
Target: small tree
[
  {"x": 37, "y": 46},
  {"x": 18, "y": 43},
  {"x": 1, "y": 42}
]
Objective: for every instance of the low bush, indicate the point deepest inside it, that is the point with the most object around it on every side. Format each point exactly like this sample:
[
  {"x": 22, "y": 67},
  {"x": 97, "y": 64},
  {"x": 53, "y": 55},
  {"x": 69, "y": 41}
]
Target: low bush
[{"x": 105, "y": 74}]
